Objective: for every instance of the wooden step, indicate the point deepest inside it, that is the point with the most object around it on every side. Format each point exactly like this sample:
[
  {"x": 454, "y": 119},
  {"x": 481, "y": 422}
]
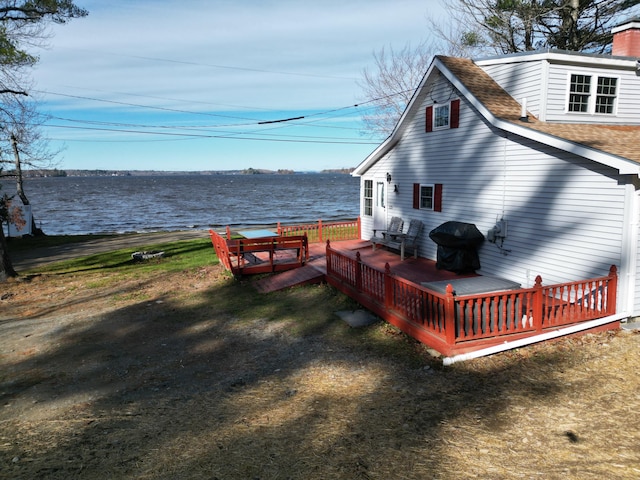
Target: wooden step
[{"x": 300, "y": 276}]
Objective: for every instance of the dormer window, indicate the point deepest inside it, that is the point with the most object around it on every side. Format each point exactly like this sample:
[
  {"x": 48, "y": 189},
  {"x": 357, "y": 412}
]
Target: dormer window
[
  {"x": 606, "y": 95},
  {"x": 592, "y": 94}
]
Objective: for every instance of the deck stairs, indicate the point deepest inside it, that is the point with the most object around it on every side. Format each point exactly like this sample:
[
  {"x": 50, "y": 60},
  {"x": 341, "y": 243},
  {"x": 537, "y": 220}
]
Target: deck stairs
[{"x": 313, "y": 272}]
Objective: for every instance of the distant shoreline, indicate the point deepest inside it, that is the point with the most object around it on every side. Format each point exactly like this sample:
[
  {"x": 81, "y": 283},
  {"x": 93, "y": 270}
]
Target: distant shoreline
[{"x": 45, "y": 173}]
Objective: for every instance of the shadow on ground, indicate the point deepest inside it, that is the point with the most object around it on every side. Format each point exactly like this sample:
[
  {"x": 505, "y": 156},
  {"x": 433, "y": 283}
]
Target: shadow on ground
[{"x": 220, "y": 383}]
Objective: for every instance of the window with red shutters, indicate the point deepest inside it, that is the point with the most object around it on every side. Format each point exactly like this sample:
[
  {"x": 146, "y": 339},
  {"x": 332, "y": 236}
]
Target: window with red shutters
[
  {"x": 429, "y": 119},
  {"x": 454, "y": 121},
  {"x": 427, "y": 196},
  {"x": 442, "y": 116}
]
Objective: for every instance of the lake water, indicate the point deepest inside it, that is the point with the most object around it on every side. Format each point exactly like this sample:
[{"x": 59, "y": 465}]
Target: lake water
[{"x": 91, "y": 205}]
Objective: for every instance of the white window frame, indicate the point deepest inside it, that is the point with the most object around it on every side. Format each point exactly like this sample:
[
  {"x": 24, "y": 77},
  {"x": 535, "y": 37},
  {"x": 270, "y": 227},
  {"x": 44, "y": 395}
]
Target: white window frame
[
  {"x": 432, "y": 186},
  {"x": 367, "y": 201},
  {"x": 593, "y": 94},
  {"x": 436, "y": 116}
]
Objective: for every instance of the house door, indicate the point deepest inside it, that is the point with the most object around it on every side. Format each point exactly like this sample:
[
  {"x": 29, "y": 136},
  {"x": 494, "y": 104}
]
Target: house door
[{"x": 380, "y": 205}]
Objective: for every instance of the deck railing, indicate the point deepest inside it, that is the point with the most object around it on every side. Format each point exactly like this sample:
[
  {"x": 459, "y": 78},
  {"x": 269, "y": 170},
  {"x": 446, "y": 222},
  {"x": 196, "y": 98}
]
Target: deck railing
[
  {"x": 243, "y": 256},
  {"x": 323, "y": 231},
  {"x": 446, "y": 321}
]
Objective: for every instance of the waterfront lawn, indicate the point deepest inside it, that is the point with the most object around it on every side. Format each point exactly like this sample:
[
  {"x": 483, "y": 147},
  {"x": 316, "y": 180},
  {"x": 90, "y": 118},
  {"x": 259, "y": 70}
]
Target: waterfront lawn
[{"x": 171, "y": 368}]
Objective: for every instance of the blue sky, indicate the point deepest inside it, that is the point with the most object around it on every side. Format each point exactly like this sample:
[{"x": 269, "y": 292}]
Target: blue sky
[{"x": 186, "y": 84}]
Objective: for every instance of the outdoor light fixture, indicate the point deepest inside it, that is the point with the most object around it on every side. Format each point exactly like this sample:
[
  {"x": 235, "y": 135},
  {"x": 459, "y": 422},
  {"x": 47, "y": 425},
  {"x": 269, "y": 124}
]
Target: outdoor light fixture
[
  {"x": 395, "y": 189},
  {"x": 388, "y": 177}
]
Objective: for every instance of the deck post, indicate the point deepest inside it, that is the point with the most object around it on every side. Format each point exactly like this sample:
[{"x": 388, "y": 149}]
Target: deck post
[
  {"x": 537, "y": 304},
  {"x": 328, "y": 261},
  {"x": 358, "y": 272},
  {"x": 449, "y": 316},
  {"x": 228, "y": 233},
  {"x": 388, "y": 286},
  {"x": 358, "y": 222},
  {"x": 612, "y": 290},
  {"x": 320, "y": 230},
  {"x": 278, "y": 229}
]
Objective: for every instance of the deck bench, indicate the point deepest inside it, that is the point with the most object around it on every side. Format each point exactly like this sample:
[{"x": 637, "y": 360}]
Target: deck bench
[{"x": 261, "y": 255}]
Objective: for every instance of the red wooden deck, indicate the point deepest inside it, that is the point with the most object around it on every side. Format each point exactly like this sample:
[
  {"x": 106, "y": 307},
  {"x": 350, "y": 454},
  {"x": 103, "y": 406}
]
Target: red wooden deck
[
  {"x": 452, "y": 324},
  {"x": 415, "y": 270}
]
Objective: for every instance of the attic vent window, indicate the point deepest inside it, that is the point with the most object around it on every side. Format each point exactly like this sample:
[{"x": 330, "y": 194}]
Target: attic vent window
[{"x": 591, "y": 94}]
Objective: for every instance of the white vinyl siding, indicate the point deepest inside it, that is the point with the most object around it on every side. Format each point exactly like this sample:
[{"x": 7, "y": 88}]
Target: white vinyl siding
[
  {"x": 564, "y": 213},
  {"x": 522, "y": 80}
]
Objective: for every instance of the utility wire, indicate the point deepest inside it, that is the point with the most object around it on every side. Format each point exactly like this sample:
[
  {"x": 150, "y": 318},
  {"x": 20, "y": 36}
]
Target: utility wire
[{"x": 226, "y": 136}]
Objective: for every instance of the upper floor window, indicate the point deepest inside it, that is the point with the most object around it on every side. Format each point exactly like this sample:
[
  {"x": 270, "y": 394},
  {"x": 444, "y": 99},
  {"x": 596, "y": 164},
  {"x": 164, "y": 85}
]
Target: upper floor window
[
  {"x": 442, "y": 115},
  {"x": 606, "y": 94},
  {"x": 592, "y": 94}
]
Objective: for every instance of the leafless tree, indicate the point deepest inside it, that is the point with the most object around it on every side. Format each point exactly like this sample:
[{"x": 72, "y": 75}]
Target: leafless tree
[
  {"x": 479, "y": 27},
  {"x": 510, "y": 26},
  {"x": 390, "y": 84}
]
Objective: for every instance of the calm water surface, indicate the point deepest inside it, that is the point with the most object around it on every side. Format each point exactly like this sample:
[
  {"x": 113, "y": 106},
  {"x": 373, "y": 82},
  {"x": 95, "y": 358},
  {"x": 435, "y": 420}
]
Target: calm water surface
[{"x": 81, "y": 205}]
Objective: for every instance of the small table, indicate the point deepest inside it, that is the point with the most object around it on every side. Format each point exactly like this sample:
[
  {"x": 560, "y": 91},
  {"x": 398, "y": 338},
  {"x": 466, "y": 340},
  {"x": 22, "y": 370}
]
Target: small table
[{"x": 260, "y": 233}]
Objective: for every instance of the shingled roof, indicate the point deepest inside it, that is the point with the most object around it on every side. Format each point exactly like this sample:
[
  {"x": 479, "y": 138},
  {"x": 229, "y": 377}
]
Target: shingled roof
[{"x": 620, "y": 140}]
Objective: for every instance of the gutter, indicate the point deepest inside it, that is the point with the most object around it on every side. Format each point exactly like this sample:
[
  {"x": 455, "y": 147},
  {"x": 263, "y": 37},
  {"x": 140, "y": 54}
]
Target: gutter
[{"x": 530, "y": 340}]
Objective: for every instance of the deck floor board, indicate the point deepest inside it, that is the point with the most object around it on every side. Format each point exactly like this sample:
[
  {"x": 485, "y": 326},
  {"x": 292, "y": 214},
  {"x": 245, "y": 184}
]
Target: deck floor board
[{"x": 416, "y": 270}]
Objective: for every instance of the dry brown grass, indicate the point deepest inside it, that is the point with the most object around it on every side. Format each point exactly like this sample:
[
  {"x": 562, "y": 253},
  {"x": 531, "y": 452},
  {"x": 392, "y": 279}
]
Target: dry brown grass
[{"x": 192, "y": 375}]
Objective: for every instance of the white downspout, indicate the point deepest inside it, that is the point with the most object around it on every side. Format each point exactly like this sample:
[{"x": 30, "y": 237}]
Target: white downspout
[
  {"x": 530, "y": 340},
  {"x": 629, "y": 255}
]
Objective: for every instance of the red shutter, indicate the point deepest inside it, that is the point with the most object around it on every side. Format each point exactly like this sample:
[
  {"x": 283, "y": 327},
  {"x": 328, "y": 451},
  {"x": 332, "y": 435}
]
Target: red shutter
[
  {"x": 437, "y": 197},
  {"x": 454, "y": 121},
  {"x": 416, "y": 195},
  {"x": 429, "y": 119}
]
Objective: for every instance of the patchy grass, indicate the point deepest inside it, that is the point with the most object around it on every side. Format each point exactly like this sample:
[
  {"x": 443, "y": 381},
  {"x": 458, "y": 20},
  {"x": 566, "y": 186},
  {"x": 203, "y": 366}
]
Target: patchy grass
[
  {"x": 111, "y": 369},
  {"x": 178, "y": 256}
]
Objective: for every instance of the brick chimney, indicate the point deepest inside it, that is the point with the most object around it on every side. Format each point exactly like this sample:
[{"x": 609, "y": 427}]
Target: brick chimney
[{"x": 626, "y": 38}]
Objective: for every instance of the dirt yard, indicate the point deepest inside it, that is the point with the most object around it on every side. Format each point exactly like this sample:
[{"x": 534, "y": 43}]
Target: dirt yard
[{"x": 185, "y": 376}]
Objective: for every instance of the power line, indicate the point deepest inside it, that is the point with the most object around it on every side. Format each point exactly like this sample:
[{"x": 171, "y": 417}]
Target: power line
[
  {"x": 142, "y": 106},
  {"x": 229, "y": 135},
  {"x": 214, "y": 65}
]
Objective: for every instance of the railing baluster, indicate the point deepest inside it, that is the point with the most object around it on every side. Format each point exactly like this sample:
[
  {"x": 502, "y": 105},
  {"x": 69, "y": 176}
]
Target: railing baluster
[{"x": 473, "y": 317}]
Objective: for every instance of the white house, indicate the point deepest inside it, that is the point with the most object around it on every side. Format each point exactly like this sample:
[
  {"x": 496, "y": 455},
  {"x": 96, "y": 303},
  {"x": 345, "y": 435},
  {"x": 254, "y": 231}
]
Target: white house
[{"x": 544, "y": 144}]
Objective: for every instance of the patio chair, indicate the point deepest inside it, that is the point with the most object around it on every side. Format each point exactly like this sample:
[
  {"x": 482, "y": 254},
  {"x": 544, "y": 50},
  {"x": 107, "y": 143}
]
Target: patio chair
[
  {"x": 404, "y": 241},
  {"x": 393, "y": 230},
  {"x": 410, "y": 239}
]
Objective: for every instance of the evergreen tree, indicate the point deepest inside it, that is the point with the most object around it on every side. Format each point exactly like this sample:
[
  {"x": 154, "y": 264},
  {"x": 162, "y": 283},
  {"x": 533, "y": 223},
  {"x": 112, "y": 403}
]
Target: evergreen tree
[{"x": 23, "y": 24}]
